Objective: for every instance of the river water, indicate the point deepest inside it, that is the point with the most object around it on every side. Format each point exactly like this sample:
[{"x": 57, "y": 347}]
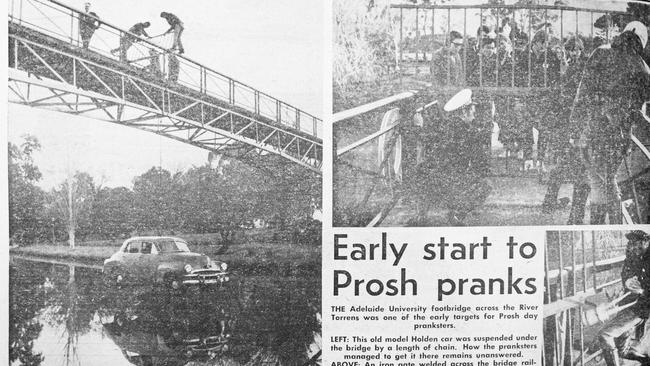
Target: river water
[{"x": 63, "y": 314}]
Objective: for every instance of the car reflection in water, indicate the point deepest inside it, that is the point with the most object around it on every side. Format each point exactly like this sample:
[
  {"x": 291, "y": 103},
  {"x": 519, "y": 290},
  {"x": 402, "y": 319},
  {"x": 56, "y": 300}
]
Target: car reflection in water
[{"x": 249, "y": 320}]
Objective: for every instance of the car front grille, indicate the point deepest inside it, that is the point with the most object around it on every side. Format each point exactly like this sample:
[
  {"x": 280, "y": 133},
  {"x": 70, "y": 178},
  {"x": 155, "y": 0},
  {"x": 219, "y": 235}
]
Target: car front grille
[{"x": 205, "y": 276}]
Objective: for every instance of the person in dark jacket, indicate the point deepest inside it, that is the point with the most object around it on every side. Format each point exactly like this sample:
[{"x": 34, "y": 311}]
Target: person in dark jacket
[
  {"x": 613, "y": 88},
  {"x": 635, "y": 275},
  {"x": 176, "y": 26},
  {"x": 447, "y": 67},
  {"x": 88, "y": 24},
  {"x": 128, "y": 39},
  {"x": 570, "y": 167},
  {"x": 453, "y": 172}
]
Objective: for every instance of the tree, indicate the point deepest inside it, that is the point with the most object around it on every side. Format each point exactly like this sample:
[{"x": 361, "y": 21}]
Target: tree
[
  {"x": 26, "y": 200},
  {"x": 154, "y": 201},
  {"x": 72, "y": 201},
  {"x": 111, "y": 214}
]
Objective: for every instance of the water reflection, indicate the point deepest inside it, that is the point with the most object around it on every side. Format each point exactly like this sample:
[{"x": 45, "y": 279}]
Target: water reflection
[{"x": 250, "y": 321}]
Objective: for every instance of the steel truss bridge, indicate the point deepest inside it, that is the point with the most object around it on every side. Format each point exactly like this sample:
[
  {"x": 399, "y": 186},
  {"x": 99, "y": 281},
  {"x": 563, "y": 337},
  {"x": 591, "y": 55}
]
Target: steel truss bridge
[{"x": 154, "y": 90}]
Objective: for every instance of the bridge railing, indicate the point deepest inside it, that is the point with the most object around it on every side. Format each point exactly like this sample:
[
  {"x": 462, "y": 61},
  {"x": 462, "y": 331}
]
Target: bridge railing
[
  {"x": 61, "y": 21},
  {"x": 582, "y": 270},
  {"x": 512, "y": 61}
]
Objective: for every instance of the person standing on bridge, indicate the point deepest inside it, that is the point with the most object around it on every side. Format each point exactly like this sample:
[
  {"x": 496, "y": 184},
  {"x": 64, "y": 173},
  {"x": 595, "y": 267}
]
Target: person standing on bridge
[
  {"x": 88, "y": 24},
  {"x": 128, "y": 39},
  {"x": 614, "y": 86},
  {"x": 176, "y": 26},
  {"x": 635, "y": 275}
]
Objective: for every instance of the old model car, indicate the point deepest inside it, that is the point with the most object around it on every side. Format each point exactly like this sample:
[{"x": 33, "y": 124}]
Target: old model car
[{"x": 162, "y": 259}]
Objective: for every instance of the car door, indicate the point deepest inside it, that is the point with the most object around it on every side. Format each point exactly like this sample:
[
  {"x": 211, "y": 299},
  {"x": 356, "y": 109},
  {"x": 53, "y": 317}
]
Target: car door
[
  {"x": 148, "y": 259},
  {"x": 131, "y": 258}
]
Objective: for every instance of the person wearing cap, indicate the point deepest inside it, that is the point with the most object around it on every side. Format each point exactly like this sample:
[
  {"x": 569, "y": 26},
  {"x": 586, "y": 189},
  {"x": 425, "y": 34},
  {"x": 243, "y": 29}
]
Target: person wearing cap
[
  {"x": 614, "y": 86},
  {"x": 482, "y": 64},
  {"x": 615, "y": 336},
  {"x": 88, "y": 24},
  {"x": 447, "y": 63},
  {"x": 176, "y": 26},
  {"x": 128, "y": 39},
  {"x": 453, "y": 173}
]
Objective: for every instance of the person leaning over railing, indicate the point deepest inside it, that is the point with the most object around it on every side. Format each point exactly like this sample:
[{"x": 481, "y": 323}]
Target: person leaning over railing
[
  {"x": 127, "y": 39},
  {"x": 615, "y": 336},
  {"x": 176, "y": 26},
  {"x": 614, "y": 86}
]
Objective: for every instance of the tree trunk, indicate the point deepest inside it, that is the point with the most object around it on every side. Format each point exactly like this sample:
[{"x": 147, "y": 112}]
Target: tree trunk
[
  {"x": 71, "y": 237},
  {"x": 71, "y": 218}
]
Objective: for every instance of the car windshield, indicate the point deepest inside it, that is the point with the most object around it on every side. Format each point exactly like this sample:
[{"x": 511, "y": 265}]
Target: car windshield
[{"x": 170, "y": 246}]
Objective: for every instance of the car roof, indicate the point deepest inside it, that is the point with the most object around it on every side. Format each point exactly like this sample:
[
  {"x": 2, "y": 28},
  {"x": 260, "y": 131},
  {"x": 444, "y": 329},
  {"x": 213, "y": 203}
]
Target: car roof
[{"x": 154, "y": 238}]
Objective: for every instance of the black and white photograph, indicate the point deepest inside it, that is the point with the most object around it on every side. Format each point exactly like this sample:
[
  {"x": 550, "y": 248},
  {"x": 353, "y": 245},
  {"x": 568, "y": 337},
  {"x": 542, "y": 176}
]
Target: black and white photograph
[
  {"x": 596, "y": 299},
  {"x": 490, "y": 113},
  {"x": 164, "y": 182}
]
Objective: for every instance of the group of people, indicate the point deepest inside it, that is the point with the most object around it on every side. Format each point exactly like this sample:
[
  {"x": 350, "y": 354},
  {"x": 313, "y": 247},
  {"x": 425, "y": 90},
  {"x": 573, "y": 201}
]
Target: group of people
[
  {"x": 587, "y": 122},
  {"x": 89, "y": 22}
]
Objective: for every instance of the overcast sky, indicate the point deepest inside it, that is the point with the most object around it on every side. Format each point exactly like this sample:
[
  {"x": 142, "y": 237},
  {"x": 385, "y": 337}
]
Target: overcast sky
[{"x": 275, "y": 46}]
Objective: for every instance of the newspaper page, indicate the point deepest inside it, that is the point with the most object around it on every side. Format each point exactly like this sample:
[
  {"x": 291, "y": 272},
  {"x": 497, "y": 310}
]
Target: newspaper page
[
  {"x": 344, "y": 183},
  {"x": 489, "y": 184},
  {"x": 164, "y": 182}
]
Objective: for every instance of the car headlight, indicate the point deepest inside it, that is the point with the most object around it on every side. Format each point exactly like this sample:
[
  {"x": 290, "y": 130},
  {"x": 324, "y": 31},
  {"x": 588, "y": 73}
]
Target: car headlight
[
  {"x": 223, "y": 266},
  {"x": 188, "y": 268}
]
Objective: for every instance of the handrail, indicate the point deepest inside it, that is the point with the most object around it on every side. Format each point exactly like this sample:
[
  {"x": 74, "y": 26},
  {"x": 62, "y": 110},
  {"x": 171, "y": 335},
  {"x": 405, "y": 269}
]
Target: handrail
[
  {"x": 504, "y": 6},
  {"x": 281, "y": 109},
  {"x": 369, "y": 107}
]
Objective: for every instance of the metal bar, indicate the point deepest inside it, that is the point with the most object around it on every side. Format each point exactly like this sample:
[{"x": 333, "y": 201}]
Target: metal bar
[
  {"x": 98, "y": 79},
  {"x": 584, "y": 261},
  {"x": 417, "y": 38},
  {"x": 547, "y": 276},
  {"x": 448, "y": 44},
  {"x": 71, "y": 26},
  {"x": 593, "y": 253},
  {"x": 480, "y": 54},
  {"x": 433, "y": 41},
  {"x": 547, "y": 36},
  {"x": 147, "y": 96},
  {"x": 530, "y": 42},
  {"x": 401, "y": 37},
  {"x": 364, "y": 140},
  {"x": 496, "y": 81},
  {"x": 43, "y": 62},
  {"x": 490, "y": 6},
  {"x": 185, "y": 108},
  {"x": 561, "y": 264},
  {"x": 353, "y": 112},
  {"x": 465, "y": 46}
]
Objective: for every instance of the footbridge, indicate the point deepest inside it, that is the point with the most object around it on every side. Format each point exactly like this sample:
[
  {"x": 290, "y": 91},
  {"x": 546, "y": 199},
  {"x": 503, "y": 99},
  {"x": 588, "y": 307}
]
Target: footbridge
[{"x": 149, "y": 88}]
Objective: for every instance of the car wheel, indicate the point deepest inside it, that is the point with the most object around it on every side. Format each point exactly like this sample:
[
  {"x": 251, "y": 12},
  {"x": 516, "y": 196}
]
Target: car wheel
[
  {"x": 120, "y": 320},
  {"x": 119, "y": 279},
  {"x": 172, "y": 281}
]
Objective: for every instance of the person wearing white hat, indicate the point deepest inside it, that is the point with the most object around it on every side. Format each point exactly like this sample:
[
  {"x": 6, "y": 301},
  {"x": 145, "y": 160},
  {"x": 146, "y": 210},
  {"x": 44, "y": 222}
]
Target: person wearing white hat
[
  {"x": 453, "y": 173},
  {"x": 614, "y": 86}
]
